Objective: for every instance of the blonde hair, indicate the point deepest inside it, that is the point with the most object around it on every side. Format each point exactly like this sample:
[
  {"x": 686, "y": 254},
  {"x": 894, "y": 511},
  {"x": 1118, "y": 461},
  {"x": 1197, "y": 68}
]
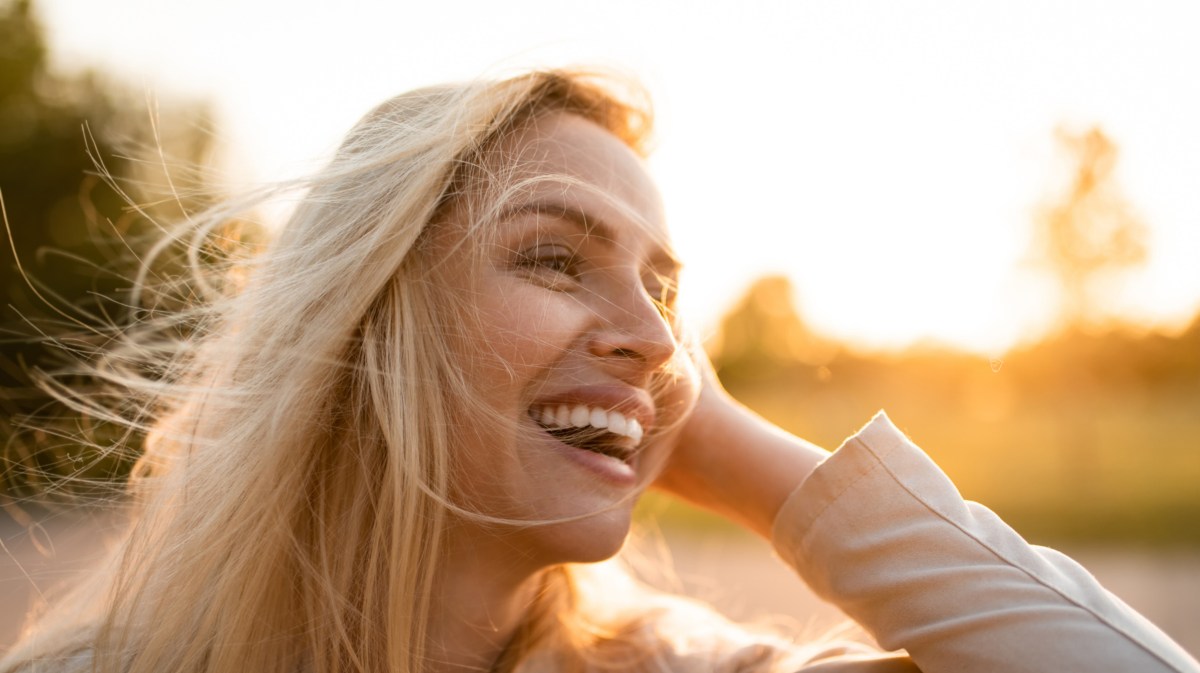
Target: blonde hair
[{"x": 295, "y": 481}]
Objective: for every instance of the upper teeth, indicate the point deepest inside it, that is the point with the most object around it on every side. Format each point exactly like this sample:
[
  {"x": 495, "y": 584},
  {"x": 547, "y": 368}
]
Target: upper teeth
[{"x": 580, "y": 416}]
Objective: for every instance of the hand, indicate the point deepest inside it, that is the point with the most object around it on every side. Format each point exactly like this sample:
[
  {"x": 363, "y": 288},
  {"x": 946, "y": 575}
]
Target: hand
[{"x": 729, "y": 460}]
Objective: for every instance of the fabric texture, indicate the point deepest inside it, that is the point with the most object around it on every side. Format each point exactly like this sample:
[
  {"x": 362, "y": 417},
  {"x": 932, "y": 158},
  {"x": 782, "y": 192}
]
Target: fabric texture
[{"x": 880, "y": 531}]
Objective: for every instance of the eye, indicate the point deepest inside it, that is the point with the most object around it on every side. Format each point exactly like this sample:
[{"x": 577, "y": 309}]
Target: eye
[{"x": 555, "y": 263}]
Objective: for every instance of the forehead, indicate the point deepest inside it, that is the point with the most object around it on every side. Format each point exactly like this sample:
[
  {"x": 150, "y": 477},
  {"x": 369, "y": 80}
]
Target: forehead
[{"x": 564, "y": 157}]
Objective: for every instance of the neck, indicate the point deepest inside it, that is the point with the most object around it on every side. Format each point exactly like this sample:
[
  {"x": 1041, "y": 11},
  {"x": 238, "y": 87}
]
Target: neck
[{"x": 484, "y": 590}]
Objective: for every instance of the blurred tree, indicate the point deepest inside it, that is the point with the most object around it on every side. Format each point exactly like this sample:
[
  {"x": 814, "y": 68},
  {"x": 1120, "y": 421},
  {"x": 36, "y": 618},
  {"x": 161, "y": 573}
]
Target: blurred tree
[
  {"x": 764, "y": 336},
  {"x": 70, "y": 233},
  {"x": 1090, "y": 232}
]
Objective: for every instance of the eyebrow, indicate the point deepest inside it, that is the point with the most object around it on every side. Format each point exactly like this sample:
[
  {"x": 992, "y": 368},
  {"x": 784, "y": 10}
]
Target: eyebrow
[{"x": 591, "y": 226}]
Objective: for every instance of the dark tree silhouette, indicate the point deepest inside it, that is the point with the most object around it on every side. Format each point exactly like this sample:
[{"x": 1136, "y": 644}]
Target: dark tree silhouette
[{"x": 70, "y": 231}]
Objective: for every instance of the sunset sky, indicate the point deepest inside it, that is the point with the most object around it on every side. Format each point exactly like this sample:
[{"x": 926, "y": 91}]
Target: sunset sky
[{"x": 887, "y": 156}]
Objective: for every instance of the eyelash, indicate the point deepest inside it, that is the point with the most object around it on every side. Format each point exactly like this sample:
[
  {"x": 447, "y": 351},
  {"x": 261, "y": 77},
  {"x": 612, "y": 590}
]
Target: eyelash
[{"x": 554, "y": 259}]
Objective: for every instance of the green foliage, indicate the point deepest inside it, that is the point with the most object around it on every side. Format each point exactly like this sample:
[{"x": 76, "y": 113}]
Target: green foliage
[{"x": 73, "y": 236}]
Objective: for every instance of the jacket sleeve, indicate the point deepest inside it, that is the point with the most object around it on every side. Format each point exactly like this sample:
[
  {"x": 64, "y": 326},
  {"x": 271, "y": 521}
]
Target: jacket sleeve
[{"x": 880, "y": 531}]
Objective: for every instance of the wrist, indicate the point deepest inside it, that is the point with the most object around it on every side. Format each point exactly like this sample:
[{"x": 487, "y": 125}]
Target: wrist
[{"x": 738, "y": 464}]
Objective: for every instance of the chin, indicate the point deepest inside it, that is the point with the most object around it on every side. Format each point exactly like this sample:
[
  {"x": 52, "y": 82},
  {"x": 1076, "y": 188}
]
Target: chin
[{"x": 589, "y": 540}]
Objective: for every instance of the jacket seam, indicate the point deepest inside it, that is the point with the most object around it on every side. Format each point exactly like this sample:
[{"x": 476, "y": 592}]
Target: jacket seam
[
  {"x": 812, "y": 525},
  {"x": 983, "y": 544}
]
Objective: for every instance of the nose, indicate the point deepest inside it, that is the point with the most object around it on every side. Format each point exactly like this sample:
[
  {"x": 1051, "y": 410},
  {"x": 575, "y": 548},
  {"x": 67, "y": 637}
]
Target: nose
[{"x": 633, "y": 337}]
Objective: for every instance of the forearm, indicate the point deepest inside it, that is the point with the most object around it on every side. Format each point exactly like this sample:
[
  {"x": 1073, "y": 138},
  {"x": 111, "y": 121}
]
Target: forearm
[{"x": 735, "y": 463}]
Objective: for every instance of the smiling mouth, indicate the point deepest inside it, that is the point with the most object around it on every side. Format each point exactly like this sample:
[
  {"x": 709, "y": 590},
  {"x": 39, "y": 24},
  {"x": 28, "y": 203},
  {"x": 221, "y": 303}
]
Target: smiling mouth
[{"x": 608, "y": 433}]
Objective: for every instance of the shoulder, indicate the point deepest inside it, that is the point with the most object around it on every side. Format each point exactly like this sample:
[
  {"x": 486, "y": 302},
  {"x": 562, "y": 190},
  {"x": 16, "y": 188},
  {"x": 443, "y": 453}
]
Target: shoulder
[
  {"x": 681, "y": 635},
  {"x": 694, "y": 637}
]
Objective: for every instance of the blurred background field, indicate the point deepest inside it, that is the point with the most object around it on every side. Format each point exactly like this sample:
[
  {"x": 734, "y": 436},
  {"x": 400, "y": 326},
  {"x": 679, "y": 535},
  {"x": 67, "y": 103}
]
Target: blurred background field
[
  {"x": 1105, "y": 467},
  {"x": 1083, "y": 436},
  {"x": 1082, "y": 430}
]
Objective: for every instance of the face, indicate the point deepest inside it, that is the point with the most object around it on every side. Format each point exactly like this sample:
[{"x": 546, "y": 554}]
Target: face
[{"x": 566, "y": 338}]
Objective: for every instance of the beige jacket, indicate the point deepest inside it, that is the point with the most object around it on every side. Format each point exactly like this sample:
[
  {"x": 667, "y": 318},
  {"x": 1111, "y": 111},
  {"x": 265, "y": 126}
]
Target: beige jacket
[{"x": 881, "y": 532}]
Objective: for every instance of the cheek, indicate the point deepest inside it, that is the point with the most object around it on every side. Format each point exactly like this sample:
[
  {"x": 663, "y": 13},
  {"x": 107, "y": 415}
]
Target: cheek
[{"x": 521, "y": 331}]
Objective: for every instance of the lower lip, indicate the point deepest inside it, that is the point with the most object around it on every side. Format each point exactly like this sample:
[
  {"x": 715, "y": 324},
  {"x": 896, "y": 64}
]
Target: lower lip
[{"x": 615, "y": 472}]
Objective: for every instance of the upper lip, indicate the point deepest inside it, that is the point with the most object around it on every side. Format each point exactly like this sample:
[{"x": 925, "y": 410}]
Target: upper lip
[{"x": 629, "y": 401}]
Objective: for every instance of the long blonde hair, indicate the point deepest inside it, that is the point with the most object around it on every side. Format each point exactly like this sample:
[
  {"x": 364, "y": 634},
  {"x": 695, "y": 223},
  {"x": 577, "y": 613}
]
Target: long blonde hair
[{"x": 295, "y": 479}]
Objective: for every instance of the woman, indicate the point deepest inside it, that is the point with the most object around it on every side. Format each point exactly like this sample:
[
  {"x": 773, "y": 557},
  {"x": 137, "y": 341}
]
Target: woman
[{"x": 443, "y": 388}]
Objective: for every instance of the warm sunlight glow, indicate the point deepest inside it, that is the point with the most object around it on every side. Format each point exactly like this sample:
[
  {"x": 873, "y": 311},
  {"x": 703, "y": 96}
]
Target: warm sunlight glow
[
  {"x": 983, "y": 218},
  {"x": 891, "y": 162}
]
